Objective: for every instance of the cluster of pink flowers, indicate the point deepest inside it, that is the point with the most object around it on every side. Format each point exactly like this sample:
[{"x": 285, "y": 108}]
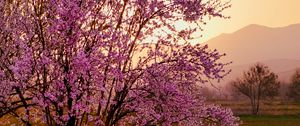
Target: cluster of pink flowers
[{"x": 78, "y": 62}]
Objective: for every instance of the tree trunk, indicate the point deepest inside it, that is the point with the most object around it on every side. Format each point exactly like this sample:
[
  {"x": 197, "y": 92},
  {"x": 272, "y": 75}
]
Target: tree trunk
[
  {"x": 71, "y": 121},
  {"x": 257, "y": 108}
]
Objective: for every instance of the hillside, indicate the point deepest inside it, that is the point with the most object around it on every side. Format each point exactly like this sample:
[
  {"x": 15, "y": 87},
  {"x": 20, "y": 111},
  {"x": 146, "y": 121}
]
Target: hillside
[
  {"x": 255, "y": 43},
  {"x": 279, "y": 48}
]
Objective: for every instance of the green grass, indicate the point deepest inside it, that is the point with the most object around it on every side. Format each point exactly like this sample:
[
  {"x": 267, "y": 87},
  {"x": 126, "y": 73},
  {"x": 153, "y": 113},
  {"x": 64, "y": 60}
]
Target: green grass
[
  {"x": 272, "y": 113},
  {"x": 270, "y": 120},
  {"x": 275, "y": 107}
]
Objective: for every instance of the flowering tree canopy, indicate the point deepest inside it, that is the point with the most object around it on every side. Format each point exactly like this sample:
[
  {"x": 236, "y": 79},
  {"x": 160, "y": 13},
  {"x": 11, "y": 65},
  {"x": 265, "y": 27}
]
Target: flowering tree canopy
[{"x": 107, "y": 62}]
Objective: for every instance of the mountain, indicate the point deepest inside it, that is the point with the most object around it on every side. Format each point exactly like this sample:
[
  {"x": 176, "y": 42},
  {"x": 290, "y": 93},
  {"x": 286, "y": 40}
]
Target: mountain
[
  {"x": 284, "y": 68},
  {"x": 256, "y": 43},
  {"x": 278, "y": 48}
]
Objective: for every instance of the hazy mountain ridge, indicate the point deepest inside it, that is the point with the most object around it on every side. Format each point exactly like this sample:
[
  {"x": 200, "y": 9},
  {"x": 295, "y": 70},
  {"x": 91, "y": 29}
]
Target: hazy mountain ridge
[
  {"x": 279, "y": 48},
  {"x": 256, "y": 43},
  {"x": 284, "y": 68}
]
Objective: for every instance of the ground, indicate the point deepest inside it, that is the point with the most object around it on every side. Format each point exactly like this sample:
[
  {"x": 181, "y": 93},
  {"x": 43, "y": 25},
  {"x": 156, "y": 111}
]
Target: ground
[
  {"x": 272, "y": 113},
  {"x": 271, "y": 120}
]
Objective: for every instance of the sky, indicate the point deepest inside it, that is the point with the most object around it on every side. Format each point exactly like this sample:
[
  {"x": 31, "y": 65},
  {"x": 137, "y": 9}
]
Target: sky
[{"x": 272, "y": 13}]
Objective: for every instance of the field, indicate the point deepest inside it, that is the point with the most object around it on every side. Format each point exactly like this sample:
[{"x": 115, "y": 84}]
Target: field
[
  {"x": 275, "y": 113},
  {"x": 271, "y": 120}
]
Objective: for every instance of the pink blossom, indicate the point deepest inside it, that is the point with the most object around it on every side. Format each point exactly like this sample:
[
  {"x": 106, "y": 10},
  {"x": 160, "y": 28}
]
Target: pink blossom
[{"x": 75, "y": 60}]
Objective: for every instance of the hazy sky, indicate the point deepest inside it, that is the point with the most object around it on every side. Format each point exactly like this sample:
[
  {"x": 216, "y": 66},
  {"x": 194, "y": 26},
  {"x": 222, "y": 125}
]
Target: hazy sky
[{"x": 272, "y": 13}]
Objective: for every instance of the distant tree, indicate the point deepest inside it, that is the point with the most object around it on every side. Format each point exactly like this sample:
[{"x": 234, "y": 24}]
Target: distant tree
[
  {"x": 294, "y": 87},
  {"x": 284, "y": 90},
  {"x": 258, "y": 83},
  {"x": 233, "y": 93}
]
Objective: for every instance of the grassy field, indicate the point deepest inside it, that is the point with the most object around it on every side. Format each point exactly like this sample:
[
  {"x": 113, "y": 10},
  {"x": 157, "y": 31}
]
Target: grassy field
[
  {"x": 271, "y": 120},
  {"x": 272, "y": 113},
  {"x": 275, "y": 113},
  {"x": 275, "y": 107}
]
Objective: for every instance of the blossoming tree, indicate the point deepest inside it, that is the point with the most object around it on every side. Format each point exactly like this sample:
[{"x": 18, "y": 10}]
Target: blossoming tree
[{"x": 107, "y": 62}]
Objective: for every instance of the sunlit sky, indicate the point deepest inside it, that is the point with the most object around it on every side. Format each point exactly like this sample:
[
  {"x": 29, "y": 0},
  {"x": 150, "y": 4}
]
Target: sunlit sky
[{"x": 272, "y": 13}]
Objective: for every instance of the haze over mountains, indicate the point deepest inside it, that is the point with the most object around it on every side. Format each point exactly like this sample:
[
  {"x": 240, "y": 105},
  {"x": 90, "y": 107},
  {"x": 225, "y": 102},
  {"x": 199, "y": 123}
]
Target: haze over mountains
[{"x": 279, "y": 48}]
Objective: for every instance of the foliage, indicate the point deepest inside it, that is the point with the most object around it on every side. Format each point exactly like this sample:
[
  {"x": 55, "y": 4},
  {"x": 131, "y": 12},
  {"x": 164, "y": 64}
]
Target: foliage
[
  {"x": 257, "y": 84},
  {"x": 294, "y": 87},
  {"x": 107, "y": 62}
]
